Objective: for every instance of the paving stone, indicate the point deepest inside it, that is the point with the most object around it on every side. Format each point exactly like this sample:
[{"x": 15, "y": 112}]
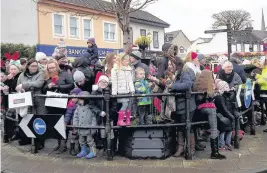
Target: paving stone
[
  {"x": 20, "y": 166},
  {"x": 94, "y": 169},
  {"x": 45, "y": 168},
  {"x": 184, "y": 170},
  {"x": 223, "y": 164},
  {"x": 243, "y": 164},
  {"x": 127, "y": 169},
  {"x": 211, "y": 171},
  {"x": 156, "y": 170},
  {"x": 72, "y": 169},
  {"x": 197, "y": 163}
]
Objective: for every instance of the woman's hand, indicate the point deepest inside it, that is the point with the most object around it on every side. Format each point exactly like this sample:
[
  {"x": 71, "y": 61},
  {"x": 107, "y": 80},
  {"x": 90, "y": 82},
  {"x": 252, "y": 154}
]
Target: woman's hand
[
  {"x": 19, "y": 88},
  {"x": 10, "y": 76},
  {"x": 51, "y": 85}
]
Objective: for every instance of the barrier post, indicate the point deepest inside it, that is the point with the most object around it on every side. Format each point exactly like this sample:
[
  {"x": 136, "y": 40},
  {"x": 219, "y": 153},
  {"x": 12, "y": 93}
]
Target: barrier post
[
  {"x": 34, "y": 145},
  {"x": 108, "y": 125},
  {"x": 5, "y": 136},
  {"x": 237, "y": 127},
  {"x": 253, "y": 120},
  {"x": 188, "y": 154},
  {"x": 263, "y": 122}
]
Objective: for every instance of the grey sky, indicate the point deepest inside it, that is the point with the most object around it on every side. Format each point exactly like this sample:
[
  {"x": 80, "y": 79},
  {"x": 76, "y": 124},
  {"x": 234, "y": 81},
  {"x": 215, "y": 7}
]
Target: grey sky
[{"x": 194, "y": 16}]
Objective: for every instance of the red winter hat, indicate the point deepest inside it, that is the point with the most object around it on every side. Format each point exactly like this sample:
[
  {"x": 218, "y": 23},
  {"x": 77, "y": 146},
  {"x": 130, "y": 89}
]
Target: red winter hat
[{"x": 193, "y": 55}]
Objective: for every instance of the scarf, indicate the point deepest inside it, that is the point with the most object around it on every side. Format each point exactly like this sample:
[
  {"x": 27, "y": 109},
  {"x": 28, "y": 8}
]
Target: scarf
[{"x": 226, "y": 77}]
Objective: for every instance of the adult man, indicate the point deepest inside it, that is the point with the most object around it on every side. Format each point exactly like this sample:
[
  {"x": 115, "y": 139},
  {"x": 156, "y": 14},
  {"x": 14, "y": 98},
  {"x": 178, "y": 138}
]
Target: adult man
[
  {"x": 135, "y": 59},
  {"x": 63, "y": 63}
]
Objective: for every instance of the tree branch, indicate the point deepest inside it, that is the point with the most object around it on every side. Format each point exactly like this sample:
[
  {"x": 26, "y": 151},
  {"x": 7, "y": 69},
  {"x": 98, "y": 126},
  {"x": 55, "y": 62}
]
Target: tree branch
[{"x": 147, "y": 2}]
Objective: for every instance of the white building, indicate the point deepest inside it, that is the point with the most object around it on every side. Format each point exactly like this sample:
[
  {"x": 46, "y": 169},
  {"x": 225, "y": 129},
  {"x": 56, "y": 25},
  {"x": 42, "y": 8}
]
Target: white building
[{"x": 19, "y": 22}]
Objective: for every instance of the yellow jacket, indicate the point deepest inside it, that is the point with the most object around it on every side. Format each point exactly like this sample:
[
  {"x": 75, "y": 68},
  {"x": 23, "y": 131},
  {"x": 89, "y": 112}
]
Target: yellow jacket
[{"x": 262, "y": 79}]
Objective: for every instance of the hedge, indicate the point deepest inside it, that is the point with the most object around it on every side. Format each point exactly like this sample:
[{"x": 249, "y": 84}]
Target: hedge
[{"x": 25, "y": 51}]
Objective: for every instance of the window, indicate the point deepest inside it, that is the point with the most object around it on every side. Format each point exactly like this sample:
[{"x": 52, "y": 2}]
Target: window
[
  {"x": 142, "y": 32},
  {"x": 87, "y": 28},
  {"x": 74, "y": 27},
  {"x": 109, "y": 31},
  {"x": 58, "y": 25},
  {"x": 131, "y": 35},
  {"x": 182, "y": 50},
  {"x": 155, "y": 39}
]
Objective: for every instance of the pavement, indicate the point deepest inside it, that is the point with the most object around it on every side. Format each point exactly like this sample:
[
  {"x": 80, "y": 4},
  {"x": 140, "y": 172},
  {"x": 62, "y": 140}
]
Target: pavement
[{"x": 250, "y": 158}]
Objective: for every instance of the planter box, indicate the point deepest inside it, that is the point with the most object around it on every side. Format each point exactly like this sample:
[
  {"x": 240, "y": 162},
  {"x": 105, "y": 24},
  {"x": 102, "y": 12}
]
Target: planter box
[{"x": 158, "y": 143}]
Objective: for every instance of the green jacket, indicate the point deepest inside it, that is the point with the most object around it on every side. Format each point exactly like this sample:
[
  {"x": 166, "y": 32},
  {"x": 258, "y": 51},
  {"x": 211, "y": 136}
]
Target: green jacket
[
  {"x": 141, "y": 87},
  {"x": 262, "y": 79}
]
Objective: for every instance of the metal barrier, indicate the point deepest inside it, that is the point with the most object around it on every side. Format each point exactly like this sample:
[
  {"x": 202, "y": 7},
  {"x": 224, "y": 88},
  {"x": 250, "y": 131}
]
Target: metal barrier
[{"x": 107, "y": 97}]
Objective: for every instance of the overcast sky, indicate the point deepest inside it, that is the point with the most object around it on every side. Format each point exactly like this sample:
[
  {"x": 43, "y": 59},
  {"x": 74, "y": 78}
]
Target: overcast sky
[{"x": 194, "y": 16}]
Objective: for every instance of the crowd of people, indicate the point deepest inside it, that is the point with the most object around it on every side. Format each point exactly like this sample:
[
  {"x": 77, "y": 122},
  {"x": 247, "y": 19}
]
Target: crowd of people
[{"x": 122, "y": 74}]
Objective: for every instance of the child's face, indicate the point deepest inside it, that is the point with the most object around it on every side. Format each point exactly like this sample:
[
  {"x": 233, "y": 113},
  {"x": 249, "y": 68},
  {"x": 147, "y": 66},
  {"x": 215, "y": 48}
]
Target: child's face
[
  {"x": 125, "y": 61},
  {"x": 102, "y": 84},
  {"x": 81, "y": 102},
  {"x": 74, "y": 100},
  {"x": 13, "y": 70},
  {"x": 140, "y": 75},
  {"x": 3, "y": 77}
]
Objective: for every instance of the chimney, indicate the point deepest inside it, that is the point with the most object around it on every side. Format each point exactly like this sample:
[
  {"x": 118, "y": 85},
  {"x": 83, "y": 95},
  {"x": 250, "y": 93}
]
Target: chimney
[{"x": 262, "y": 22}]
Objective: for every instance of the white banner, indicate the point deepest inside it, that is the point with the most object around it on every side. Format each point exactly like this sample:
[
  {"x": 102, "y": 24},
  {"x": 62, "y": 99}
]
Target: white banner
[
  {"x": 19, "y": 100},
  {"x": 56, "y": 102}
]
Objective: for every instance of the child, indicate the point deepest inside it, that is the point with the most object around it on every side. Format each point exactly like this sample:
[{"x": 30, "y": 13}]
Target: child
[
  {"x": 71, "y": 107},
  {"x": 141, "y": 87},
  {"x": 60, "y": 49},
  {"x": 122, "y": 83},
  {"x": 84, "y": 116},
  {"x": 225, "y": 116},
  {"x": 92, "y": 52}
]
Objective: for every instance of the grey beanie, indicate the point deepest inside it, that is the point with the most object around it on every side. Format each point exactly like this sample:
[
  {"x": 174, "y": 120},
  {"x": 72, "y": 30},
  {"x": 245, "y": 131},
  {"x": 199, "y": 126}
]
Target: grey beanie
[
  {"x": 78, "y": 76},
  {"x": 200, "y": 57},
  {"x": 136, "y": 54}
]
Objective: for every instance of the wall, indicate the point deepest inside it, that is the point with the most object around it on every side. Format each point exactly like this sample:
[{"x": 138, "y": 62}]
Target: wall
[
  {"x": 149, "y": 29},
  {"x": 19, "y": 21},
  {"x": 181, "y": 40},
  {"x": 46, "y": 30}
]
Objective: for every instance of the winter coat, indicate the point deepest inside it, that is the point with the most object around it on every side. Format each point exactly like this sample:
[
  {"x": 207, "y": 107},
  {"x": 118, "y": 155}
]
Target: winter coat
[
  {"x": 233, "y": 80},
  {"x": 91, "y": 55},
  {"x": 70, "y": 112},
  {"x": 224, "y": 124},
  {"x": 240, "y": 71},
  {"x": 99, "y": 105},
  {"x": 224, "y": 106},
  {"x": 64, "y": 84},
  {"x": 139, "y": 64},
  {"x": 12, "y": 83},
  {"x": 262, "y": 79},
  {"x": 34, "y": 82},
  {"x": 122, "y": 80},
  {"x": 141, "y": 87},
  {"x": 168, "y": 49},
  {"x": 65, "y": 68},
  {"x": 184, "y": 83},
  {"x": 81, "y": 64}
]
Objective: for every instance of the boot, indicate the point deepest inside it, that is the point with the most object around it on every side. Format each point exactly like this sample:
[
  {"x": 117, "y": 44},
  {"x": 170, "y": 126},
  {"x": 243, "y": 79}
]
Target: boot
[
  {"x": 92, "y": 153},
  {"x": 62, "y": 148},
  {"x": 215, "y": 150},
  {"x": 192, "y": 144},
  {"x": 83, "y": 152},
  {"x": 180, "y": 144},
  {"x": 58, "y": 145},
  {"x": 120, "y": 119},
  {"x": 128, "y": 117},
  {"x": 72, "y": 149}
]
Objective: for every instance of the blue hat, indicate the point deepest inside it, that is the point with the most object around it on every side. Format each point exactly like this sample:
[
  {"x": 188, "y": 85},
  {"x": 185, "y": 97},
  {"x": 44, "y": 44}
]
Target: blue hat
[{"x": 76, "y": 91}]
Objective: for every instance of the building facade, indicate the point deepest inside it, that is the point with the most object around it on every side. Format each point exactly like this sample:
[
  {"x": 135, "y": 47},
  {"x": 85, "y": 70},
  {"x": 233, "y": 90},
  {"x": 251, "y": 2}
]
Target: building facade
[
  {"x": 19, "y": 23},
  {"x": 76, "y": 21},
  {"x": 180, "y": 39}
]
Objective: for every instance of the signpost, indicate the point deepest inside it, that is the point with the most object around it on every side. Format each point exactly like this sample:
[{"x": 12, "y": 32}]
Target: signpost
[
  {"x": 248, "y": 93},
  {"x": 43, "y": 126}
]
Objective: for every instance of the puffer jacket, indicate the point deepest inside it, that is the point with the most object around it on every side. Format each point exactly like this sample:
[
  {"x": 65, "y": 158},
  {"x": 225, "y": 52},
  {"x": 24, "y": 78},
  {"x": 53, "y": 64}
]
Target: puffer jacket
[
  {"x": 141, "y": 87},
  {"x": 262, "y": 79},
  {"x": 84, "y": 116},
  {"x": 34, "y": 82},
  {"x": 70, "y": 112},
  {"x": 122, "y": 80}
]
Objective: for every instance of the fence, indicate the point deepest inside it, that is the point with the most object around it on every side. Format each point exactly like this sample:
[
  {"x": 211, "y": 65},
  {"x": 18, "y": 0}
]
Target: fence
[{"x": 108, "y": 127}]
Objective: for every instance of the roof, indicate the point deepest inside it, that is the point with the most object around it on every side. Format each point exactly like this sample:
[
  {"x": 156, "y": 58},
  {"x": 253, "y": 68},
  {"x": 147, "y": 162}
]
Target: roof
[
  {"x": 172, "y": 34},
  {"x": 250, "y": 37},
  {"x": 100, "y": 5},
  {"x": 205, "y": 40}
]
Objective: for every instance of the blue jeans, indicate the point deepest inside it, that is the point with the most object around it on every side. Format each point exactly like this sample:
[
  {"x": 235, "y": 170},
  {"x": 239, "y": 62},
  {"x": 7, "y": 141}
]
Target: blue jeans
[{"x": 225, "y": 138}]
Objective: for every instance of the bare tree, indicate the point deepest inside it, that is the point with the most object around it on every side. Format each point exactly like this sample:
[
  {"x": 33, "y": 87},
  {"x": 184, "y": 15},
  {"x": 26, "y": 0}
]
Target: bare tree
[
  {"x": 122, "y": 10},
  {"x": 239, "y": 19}
]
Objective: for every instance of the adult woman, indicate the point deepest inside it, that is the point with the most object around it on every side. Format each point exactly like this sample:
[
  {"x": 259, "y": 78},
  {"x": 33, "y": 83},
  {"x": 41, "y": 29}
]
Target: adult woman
[
  {"x": 207, "y": 110},
  {"x": 185, "y": 79},
  {"x": 57, "y": 81},
  {"x": 109, "y": 62},
  {"x": 262, "y": 81},
  {"x": 32, "y": 80},
  {"x": 12, "y": 78},
  {"x": 228, "y": 75}
]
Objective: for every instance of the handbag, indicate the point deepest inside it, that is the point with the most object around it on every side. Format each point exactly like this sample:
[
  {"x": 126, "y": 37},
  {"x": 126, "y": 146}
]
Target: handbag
[{"x": 56, "y": 102}]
